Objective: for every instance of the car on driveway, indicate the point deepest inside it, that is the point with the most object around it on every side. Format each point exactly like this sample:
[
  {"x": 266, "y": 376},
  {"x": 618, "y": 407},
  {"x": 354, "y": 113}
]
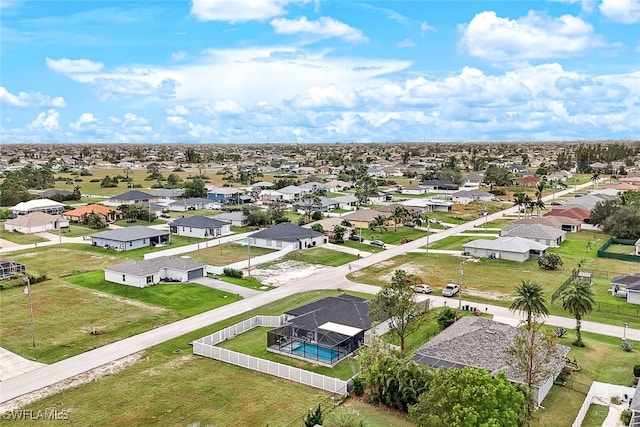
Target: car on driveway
[
  {"x": 378, "y": 243},
  {"x": 422, "y": 288},
  {"x": 356, "y": 238},
  {"x": 450, "y": 290}
]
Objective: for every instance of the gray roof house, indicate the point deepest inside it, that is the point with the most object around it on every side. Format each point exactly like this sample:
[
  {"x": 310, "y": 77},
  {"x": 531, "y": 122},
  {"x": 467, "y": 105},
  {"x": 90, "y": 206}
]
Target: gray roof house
[
  {"x": 128, "y": 238},
  {"x": 627, "y": 286},
  {"x": 482, "y": 343},
  {"x": 285, "y": 235},
  {"x": 193, "y": 204},
  {"x": 235, "y": 218},
  {"x": 509, "y": 248},
  {"x": 468, "y": 196},
  {"x": 540, "y": 233},
  {"x": 635, "y": 408},
  {"x": 132, "y": 197},
  {"x": 200, "y": 226},
  {"x": 152, "y": 271}
]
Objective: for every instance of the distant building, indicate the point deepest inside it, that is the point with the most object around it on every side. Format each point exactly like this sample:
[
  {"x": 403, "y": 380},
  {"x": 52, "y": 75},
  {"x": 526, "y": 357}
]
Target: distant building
[
  {"x": 199, "y": 226},
  {"x": 38, "y": 205},
  {"x": 35, "y": 222},
  {"x": 129, "y": 238},
  {"x": 285, "y": 235}
]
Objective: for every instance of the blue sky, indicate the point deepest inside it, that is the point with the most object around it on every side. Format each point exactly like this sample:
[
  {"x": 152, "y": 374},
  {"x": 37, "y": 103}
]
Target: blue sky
[{"x": 319, "y": 71}]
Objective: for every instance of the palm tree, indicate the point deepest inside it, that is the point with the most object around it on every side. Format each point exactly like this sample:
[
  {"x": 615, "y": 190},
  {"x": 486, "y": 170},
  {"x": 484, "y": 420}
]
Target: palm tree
[
  {"x": 399, "y": 215},
  {"x": 530, "y": 299},
  {"x": 519, "y": 201},
  {"x": 578, "y": 300},
  {"x": 539, "y": 202},
  {"x": 594, "y": 179}
]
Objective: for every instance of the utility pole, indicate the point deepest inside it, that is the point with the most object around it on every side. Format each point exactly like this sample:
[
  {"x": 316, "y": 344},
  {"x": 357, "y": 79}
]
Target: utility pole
[
  {"x": 461, "y": 273},
  {"x": 27, "y": 292},
  {"x": 428, "y": 232},
  {"x": 249, "y": 259}
]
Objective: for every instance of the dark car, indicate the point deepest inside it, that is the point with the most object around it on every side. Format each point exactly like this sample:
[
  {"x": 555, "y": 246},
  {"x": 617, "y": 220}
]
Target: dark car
[
  {"x": 356, "y": 238},
  {"x": 409, "y": 224},
  {"x": 379, "y": 243},
  {"x": 165, "y": 216}
]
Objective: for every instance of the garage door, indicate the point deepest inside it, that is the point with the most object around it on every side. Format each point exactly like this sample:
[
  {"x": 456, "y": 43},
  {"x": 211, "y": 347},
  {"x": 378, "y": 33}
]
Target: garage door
[{"x": 194, "y": 274}]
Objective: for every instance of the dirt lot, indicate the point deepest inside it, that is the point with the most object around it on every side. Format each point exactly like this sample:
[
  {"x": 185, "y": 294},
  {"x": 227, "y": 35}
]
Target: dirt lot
[{"x": 284, "y": 272}]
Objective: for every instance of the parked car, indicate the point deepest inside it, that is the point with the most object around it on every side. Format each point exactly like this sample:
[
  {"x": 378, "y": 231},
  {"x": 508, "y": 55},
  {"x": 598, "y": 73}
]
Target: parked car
[
  {"x": 356, "y": 238},
  {"x": 422, "y": 288},
  {"x": 165, "y": 216},
  {"x": 450, "y": 290},
  {"x": 408, "y": 224},
  {"x": 379, "y": 243}
]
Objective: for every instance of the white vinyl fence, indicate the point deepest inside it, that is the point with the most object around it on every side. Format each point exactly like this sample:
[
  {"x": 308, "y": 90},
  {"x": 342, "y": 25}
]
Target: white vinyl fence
[
  {"x": 601, "y": 393},
  {"x": 206, "y": 347},
  {"x": 196, "y": 246}
]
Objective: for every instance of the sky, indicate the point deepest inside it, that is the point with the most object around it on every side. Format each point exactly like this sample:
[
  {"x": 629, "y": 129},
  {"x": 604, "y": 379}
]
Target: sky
[{"x": 287, "y": 71}]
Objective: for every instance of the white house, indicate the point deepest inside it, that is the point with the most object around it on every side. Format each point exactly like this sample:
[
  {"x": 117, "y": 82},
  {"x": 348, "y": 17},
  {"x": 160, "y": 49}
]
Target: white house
[
  {"x": 508, "y": 248},
  {"x": 38, "y": 205},
  {"x": 193, "y": 204},
  {"x": 464, "y": 197},
  {"x": 291, "y": 192},
  {"x": 200, "y": 226},
  {"x": 128, "y": 238},
  {"x": 142, "y": 274},
  {"x": 429, "y": 205},
  {"x": 285, "y": 235},
  {"x": 540, "y": 233},
  {"x": 234, "y": 218},
  {"x": 627, "y": 286},
  {"x": 35, "y": 222}
]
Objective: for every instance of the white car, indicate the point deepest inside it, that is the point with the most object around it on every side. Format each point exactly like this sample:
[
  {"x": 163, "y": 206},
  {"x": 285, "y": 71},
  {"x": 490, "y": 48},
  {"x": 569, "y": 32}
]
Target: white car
[
  {"x": 423, "y": 289},
  {"x": 450, "y": 290}
]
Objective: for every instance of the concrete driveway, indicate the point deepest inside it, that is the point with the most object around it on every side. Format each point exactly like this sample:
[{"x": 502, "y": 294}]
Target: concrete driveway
[{"x": 227, "y": 287}]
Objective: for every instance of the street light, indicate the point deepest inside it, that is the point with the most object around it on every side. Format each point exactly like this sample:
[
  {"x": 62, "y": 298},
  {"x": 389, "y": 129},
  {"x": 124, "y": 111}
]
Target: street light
[
  {"x": 249, "y": 259},
  {"x": 27, "y": 292},
  {"x": 461, "y": 273},
  {"x": 625, "y": 325}
]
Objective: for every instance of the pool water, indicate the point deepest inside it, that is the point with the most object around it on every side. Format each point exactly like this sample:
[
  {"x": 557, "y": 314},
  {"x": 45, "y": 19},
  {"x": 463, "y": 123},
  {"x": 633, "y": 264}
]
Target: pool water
[{"x": 312, "y": 351}]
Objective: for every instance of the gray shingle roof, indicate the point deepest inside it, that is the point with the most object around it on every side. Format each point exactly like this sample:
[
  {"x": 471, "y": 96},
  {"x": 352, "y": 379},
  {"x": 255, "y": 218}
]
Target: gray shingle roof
[
  {"x": 199, "y": 222},
  {"x": 477, "y": 342},
  {"x": 507, "y": 244},
  {"x": 342, "y": 309},
  {"x": 532, "y": 231},
  {"x": 231, "y": 216},
  {"x": 190, "y": 201},
  {"x": 133, "y": 195},
  {"x": 151, "y": 266},
  {"x": 286, "y": 232},
  {"x": 127, "y": 234}
]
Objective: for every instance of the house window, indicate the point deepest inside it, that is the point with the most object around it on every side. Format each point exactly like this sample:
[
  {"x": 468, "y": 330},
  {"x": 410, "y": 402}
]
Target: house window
[
  {"x": 149, "y": 280},
  {"x": 144, "y": 241},
  {"x": 130, "y": 244},
  {"x": 124, "y": 278}
]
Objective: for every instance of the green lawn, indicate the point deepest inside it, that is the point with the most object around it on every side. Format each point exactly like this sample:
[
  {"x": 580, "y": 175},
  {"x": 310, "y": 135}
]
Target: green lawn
[
  {"x": 126, "y": 223},
  {"x": 187, "y": 214},
  {"x": 321, "y": 256},
  {"x": 227, "y": 253},
  {"x": 180, "y": 388},
  {"x": 361, "y": 246},
  {"x": 186, "y": 299},
  {"x": 247, "y": 282},
  {"x": 20, "y": 238},
  {"x": 254, "y": 343},
  {"x": 499, "y": 223},
  {"x": 595, "y": 415},
  {"x": 239, "y": 230},
  {"x": 393, "y": 236},
  {"x": 76, "y": 230},
  {"x": 454, "y": 243}
]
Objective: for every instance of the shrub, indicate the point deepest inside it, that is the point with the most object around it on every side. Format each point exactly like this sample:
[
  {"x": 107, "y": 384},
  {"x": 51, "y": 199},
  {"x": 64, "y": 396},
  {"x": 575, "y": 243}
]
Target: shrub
[
  {"x": 316, "y": 216},
  {"x": 550, "y": 261},
  {"x": 626, "y": 346},
  {"x": 625, "y": 417},
  {"x": 358, "y": 386},
  {"x": 446, "y": 318},
  {"x": 232, "y": 272},
  {"x": 636, "y": 370},
  {"x": 616, "y": 400},
  {"x": 560, "y": 332},
  {"x": 94, "y": 180}
]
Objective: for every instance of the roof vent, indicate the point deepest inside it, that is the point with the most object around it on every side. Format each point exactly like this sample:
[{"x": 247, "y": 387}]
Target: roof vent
[{"x": 490, "y": 331}]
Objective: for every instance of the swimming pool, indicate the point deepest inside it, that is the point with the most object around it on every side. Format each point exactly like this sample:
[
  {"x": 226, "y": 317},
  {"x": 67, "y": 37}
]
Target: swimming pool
[{"x": 312, "y": 351}]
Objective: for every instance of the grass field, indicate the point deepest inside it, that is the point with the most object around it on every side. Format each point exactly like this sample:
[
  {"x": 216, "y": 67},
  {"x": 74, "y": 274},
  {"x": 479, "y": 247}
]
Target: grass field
[
  {"x": 454, "y": 243},
  {"x": 186, "y": 299},
  {"x": 321, "y": 256},
  {"x": 20, "y": 238},
  {"x": 247, "y": 282},
  {"x": 361, "y": 246},
  {"x": 393, "y": 236},
  {"x": 58, "y": 333},
  {"x": 76, "y": 230},
  {"x": 595, "y": 415},
  {"x": 179, "y": 388},
  {"x": 227, "y": 253},
  {"x": 126, "y": 223},
  {"x": 65, "y": 259}
]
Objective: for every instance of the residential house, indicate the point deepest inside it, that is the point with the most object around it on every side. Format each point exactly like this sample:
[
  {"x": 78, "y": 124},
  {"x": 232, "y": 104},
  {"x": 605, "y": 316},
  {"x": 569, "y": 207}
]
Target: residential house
[
  {"x": 628, "y": 287},
  {"x": 517, "y": 169},
  {"x": 285, "y": 235},
  {"x": 348, "y": 201},
  {"x": 225, "y": 195},
  {"x": 364, "y": 217},
  {"x": 313, "y": 186},
  {"x": 131, "y": 198},
  {"x": 272, "y": 195},
  {"x": 379, "y": 197},
  {"x": 589, "y": 201},
  {"x": 291, "y": 193},
  {"x": 324, "y": 204},
  {"x": 528, "y": 181},
  {"x": 36, "y": 222},
  {"x": 128, "y": 238},
  {"x": 79, "y": 214},
  {"x": 234, "y": 218},
  {"x": 467, "y": 196},
  {"x": 337, "y": 185},
  {"x": 559, "y": 176},
  {"x": 142, "y": 274},
  {"x": 38, "y": 205},
  {"x": 258, "y": 186},
  {"x": 193, "y": 204},
  {"x": 574, "y": 212},
  {"x": 484, "y": 344},
  {"x": 564, "y": 223},
  {"x": 508, "y": 248},
  {"x": 165, "y": 196},
  {"x": 634, "y": 406},
  {"x": 413, "y": 189},
  {"x": 472, "y": 180},
  {"x": 438, "y": 184},
  {"x": 544, "y": 234},
  {"x": 328, "y": 224},
  {"x": 199, "y": 226},
  {"x": 429, "y": 205}
]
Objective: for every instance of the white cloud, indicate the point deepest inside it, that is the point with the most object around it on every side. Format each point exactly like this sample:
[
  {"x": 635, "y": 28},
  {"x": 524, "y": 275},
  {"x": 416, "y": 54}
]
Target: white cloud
[
  {"x": 235, "y": 11},
  {"x": 177, "y": 121},
  {"x": 83, "y": 121},
  {"x": 228, "y": 106},
  {"x": 33, "y": 99},
  {"x": 622, "y": 11},
  {"x": 534, "y": 36},
  {"x": 405, "y": 43},
  {"x": 48, "y": 121},
  {"x": 324, "y": 27},
  {"x": 426, "y": 27},
  {"x": 327, "y": 97},
  {"x": 131, "y": 119},
  {"x": 65, "y": 65},
  {"x": 178, "y": 110},
  {"x": 179, "y": 55}
]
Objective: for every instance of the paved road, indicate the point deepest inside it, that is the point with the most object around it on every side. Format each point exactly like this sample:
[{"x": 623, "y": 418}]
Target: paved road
[{"x": 327, "y": 279}]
